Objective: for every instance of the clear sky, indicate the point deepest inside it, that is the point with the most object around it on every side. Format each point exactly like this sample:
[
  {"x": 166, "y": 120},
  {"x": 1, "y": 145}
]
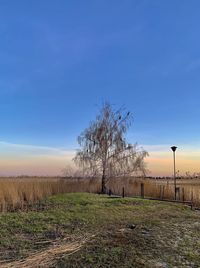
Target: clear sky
[{"x": 60, "y": 59}]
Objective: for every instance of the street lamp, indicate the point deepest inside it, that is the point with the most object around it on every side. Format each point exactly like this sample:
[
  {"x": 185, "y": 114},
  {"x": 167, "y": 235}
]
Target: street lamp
[{"x": 174, "y": 150}]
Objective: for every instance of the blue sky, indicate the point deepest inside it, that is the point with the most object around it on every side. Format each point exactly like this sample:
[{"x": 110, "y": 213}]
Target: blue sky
[{"x": 60, "y": 59}]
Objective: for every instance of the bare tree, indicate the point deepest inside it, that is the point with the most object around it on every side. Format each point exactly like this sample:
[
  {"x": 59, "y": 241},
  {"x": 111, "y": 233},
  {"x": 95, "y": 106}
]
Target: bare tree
[{"x": 104, "y": 149}]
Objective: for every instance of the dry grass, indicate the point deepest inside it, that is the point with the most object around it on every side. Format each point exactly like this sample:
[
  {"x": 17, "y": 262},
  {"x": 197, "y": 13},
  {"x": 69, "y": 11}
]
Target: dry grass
[
  {"x": 16, "y": 193},
  {"x": 44, "y": 258},
  {"x": 47, "y": 257},
  {"x": 189, "y": 190}
]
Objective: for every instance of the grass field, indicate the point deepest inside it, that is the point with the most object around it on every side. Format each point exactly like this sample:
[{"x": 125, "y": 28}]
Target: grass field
[{"x": 88, "y": 230}]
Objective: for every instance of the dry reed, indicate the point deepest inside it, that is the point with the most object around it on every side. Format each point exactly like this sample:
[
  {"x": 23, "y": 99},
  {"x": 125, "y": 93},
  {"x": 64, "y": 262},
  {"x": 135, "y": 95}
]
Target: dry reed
[{"x": 16, "y": 193}]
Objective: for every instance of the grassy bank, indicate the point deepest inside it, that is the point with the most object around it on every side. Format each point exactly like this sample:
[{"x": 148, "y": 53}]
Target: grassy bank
[{"x": 102, "y": 232}]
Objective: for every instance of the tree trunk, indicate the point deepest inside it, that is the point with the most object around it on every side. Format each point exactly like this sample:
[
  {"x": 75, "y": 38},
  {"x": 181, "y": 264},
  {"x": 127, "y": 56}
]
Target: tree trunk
[{"x": 103, "y": 184}]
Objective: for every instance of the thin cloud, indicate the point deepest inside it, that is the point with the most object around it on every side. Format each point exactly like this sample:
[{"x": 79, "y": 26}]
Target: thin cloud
[{"x": 34, "y": 149}]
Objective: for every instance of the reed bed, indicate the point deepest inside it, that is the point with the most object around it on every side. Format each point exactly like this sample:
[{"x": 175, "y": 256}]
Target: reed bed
[
  {"x": 188, "y": 190},
  {"x": 17, "y": 193}
]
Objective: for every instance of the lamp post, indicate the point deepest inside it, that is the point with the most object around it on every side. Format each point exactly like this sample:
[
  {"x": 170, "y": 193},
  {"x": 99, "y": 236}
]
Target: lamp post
[{"x": 174, "y": 150}]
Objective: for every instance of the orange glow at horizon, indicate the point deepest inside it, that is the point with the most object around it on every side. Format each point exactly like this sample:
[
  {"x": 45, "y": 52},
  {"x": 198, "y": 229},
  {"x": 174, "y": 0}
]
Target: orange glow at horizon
[
  {"x": 40, "y": 161},
  {"x": 162, "y": 165}
]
